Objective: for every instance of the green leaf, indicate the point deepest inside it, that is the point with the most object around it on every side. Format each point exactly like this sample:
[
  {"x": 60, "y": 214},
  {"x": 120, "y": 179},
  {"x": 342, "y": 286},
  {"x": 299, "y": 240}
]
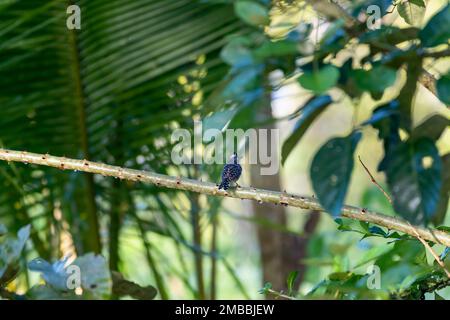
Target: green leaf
[
  {"x": 431, "y": 128},
  {"x": 375, "y": 80},
  {"x": 403, "y": 265},
  {"x": 443, "y": 88},
  {"x": 437, "y": 30},
  {"x": 95, "y": 276},
  {"x": 10, "y": 252},
  {"x": 412, "y": 11},
  {"x": 386, "y": 119},
  {"x": 414, "y": 178},
  {"x": 266, "y": 288},
  {"x": 320, "y": 80},
  {"x": 340, "y": 276},
  {"x": 54, "y": 274},
  {"x": 309, "y": 112},
  {"x": 237, "y": 53},
  {"x": 346, "y": 224},
  {"x": 372, "y": 254},
  {"x": 291, "y": 280},
  {"x": 45, "y": 292},
  {"x": 218, "y": 120},
  {"x": 244, "y": 86},
  {"x": 252, "y": 12},
  {"x": 331, "y": 170},
  {"x": 444, "y": 228},
  {"x": 279, "y": 48}
]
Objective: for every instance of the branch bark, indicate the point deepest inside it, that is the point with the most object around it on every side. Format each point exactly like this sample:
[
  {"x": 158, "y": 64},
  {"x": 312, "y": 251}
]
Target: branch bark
[{"x": 260, "y": 195}]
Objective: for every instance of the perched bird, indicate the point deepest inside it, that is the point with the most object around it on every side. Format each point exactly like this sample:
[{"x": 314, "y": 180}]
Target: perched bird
[{"x": 231, "y": 172}]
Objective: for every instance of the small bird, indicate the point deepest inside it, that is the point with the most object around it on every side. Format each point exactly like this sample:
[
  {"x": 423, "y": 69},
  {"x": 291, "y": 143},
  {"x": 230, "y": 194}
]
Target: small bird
[{"x": 231, "y": 172}]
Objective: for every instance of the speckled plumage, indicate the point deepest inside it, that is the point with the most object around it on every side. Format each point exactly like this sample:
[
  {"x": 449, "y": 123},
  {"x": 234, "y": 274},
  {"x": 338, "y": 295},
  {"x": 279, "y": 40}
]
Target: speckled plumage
[{"x": 230, "y": 173}]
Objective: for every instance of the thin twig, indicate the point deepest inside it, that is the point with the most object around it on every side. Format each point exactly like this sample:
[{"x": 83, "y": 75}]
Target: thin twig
[
  {"x": 433, "y": 253},
  {"x": 267, "y": 196},
  {"x": 416, "y": 234},
  {"x": 280, "y": 295},
  {"x": 375, "y": 181}
]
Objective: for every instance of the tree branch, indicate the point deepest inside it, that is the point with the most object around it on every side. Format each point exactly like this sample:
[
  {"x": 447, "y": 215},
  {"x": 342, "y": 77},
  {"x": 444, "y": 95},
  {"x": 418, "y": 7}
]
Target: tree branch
[
  {"x": 421, "y": 286},
  {"x": 207, "y": 188},
  {"x": 333, "y": 10}
]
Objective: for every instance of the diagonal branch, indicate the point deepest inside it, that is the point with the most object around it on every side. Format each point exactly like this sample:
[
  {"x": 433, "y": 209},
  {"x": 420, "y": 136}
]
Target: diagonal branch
[
  {"x": 426, "y": 245},
  {"x": 207, "y": 188}
]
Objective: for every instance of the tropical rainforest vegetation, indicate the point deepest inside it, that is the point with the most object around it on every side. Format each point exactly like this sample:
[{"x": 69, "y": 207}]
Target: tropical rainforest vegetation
[{"x": 359, "y": 91}]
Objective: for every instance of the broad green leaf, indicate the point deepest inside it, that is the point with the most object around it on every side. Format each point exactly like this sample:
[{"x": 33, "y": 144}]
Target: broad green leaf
[
  {"x": 443, "y": 89},
  {"x": 279, "y": 48},
  {"x": 412, "y": 11},
  {"x": 218, "y": 120},
  {"x": 331, "y": 170},
  {"x": 372, "y": 254},
  {"x": 237, "y": 53},
  {"x": 320, "y": 80},
  {"x": 414, "y": 178},
  {"x": 381, "y": 114},
  {"x": 309, "y": 112},
  {"x": 431, "y": 128},
  {"x": 345, "y": 224},
  {"x": 375, "y": 80},
  {"x": 403, "y": 265},
  {"x": 340, "y": 276},
  {"x": 54, "y": 274},
  {"x": 95, "y": 276},
  {"x": 386, "y": 119},
  {"x": 45, "y": 292},
  {"x": 437, "y": 30},
  {"x": 252, "y": 12},
  {"x": 291, "y": 281},
  {"x": 443, "y": 228},
  {"x": 242, "y": 85},
  {"x": 10, "y": 252},
  {"x": 334, "y": 39}
]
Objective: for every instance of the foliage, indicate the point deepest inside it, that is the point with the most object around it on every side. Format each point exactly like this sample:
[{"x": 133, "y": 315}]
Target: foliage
[
  {"x": 378, "y": 72},
  {"x": 111, "y": 92},
  {"x": 86, "y": 277},
  {"x": 414, "y": 169},
  {"x": 114, "y": 91}
]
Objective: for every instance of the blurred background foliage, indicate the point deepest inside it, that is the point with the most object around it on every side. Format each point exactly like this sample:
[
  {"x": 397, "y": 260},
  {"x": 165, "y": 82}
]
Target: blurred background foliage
[{"x": 115, "y": 91}]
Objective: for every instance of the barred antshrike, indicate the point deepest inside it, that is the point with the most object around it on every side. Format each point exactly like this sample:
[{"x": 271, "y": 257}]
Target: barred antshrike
[{"x": 231, "y": 172}]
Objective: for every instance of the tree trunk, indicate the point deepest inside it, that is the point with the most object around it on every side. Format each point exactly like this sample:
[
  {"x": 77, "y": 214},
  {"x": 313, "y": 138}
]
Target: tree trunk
[{"x": 281, "y": 253}]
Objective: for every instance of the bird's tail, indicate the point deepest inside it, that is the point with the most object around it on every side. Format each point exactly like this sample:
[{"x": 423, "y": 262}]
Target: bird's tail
[{"x": 224, "y": 185}]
